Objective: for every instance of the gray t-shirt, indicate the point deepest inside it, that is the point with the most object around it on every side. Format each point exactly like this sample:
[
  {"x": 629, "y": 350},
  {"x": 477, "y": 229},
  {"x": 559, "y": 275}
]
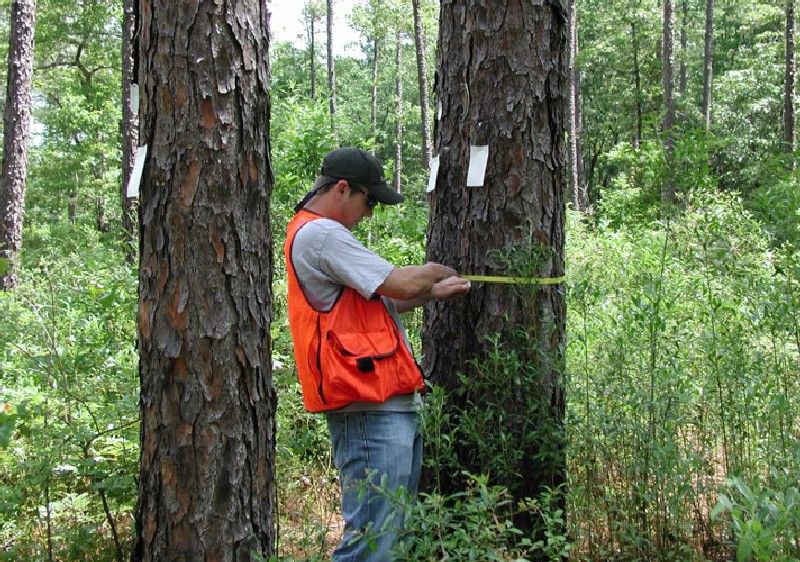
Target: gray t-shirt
[{"x": 327, "y": 256}]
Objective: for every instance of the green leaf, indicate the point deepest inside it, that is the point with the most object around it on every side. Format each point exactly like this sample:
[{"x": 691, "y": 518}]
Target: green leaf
[
  {"x": 7, "y": 425},
  {"x": 723, "y": 504},
  {"x": 5, "y": 266}
]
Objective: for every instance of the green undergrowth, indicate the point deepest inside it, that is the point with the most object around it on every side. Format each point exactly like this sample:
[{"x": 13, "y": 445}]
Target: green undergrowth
[{"x": 682, "y": 431}]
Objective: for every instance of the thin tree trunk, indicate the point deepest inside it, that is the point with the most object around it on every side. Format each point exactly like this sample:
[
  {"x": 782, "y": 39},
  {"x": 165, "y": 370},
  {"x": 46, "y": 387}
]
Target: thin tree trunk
[
  {"x": 313, "y": 56},
  {"x": 708, "y": 64},
  {"x": 668, "y": 83},
  {"x": 579, "y": 196},
  {"x": 637, "y": 89},
  {"x": 111, "y": 523},
  {"x": 72, "y": 203},
  {"x": 373, "y": 116},
  {"x": 422, "y": 80},
  {"x": 130, "y": 123},
  {"x": 331, "y": 67},
  {"x": 48, "y": 518},
  {"x": 788, "y": 85},
  {"x": 398, "y": 123},
  {"x": 16, "y": 128},
  {"x": 207, "y": 457},
  {"x": 579, "y": 138},
  {"x": 503, "y": 78},
  {"x": 684, "y": 39},
  {"x": 101, "y": 222}
]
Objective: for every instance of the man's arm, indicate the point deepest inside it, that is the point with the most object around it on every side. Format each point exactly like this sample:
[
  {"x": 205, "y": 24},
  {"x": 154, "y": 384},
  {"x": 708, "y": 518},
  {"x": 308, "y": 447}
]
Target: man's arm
[{"x": 413, "y": 285}]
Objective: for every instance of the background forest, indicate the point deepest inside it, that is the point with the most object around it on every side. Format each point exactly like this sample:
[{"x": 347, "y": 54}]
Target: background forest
[{"x": 683, "y": 310}]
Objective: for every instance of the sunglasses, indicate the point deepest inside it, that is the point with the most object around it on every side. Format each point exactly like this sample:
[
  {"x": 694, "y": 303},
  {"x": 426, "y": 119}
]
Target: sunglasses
[{"x": 372, "y": 201}]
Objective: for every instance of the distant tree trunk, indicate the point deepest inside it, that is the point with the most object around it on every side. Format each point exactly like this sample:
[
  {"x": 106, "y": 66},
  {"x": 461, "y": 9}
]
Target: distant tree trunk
[
  {"x": 708, "y": 64},
  {"x": 637, "y": 89},
  {"x": 373, "y": 115},
  {"x": 422, "y": 80},
  {"x": 503, "y": 81},
  {"x": 313, "y": 57},
  {"x": 101, "y": 222},
  {"x": 16, "y": 128},
  {"x": 331, "y": 66},
  {"x": 788, "y": 85},
  {"x": 72, "y": 202},
  {"x": 579, "y": 195},
  {"x": 684, "y": 39},
  {"x": 581, "y": 168},
  {"x": 668, "y": 66},
  {"x": 206, "y": 480},
  {"x": 130, "y": 123},
  {"x": 398, "y": 123}
]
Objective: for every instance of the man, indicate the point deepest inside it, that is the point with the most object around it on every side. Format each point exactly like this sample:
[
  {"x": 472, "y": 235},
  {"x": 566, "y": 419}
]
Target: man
[{"x": 352, "y": 354}]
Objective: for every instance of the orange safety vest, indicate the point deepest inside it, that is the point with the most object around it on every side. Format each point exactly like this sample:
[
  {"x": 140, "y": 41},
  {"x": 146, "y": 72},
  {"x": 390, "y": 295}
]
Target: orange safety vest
[{"x": 353, "y": 352}]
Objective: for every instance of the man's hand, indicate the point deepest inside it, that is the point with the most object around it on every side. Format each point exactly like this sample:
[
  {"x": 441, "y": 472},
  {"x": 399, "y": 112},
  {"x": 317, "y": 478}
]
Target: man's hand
[
  {"x": 449, "y": 287},
  {"x": 444, "y": 289}
]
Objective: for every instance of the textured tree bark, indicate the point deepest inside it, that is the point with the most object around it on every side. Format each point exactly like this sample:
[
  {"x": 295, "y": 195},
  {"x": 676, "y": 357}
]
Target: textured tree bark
[
  {"x": 130, "y": 124},
  {"x": 398, "y": 119},
  {"x": 206, "y": 484},
  {"x": 422, "y": 80},
  {"x": 503, "y": 81},
  {"x": 331, "y": 66},
  {"x": 708, "y": 63},
  {"x": 788, "y": 84},
  {"x": 580, "y": 197},
  {"x": 668, "y": 83},
  {"x": 16, "y": 128}
]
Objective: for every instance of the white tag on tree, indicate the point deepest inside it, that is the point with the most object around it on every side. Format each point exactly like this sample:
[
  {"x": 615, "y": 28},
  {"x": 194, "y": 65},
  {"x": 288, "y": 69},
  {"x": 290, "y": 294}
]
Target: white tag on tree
[
  {"x": 136, "y": 175},
  {"x": 434, "y": 173},
  {"x": 439, "y": 110},
  {"x": 478, "y": 157},
  {"x": 135, "y": 99}
]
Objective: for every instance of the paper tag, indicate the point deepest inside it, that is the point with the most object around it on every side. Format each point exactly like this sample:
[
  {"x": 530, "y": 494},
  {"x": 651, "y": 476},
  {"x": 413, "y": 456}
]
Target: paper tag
[
  {"x": 438, "y": 110},
  {"x": 136, "y": 175},
  {"x": 135, "y": 99},
  {"x": 434, "y": 173},
  {"x": 478, "y": 156}
]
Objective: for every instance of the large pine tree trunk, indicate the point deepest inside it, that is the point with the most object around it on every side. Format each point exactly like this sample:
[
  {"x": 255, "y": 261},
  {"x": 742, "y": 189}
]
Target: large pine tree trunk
[
  {"x": 422, "y": 80},
  {"x": 579, "y": 196},
  {"x": 503, "y": 81},
  {"x": 16, "y": 128},
  {"x": 206, "y": 485},
  {"x": 331, "y": 66},
  {"x": 668, "y": 83},
  {"x": 398, "y": 123},
  {"x": 788, "y": 85},
  {"x": 708, "y": 63},
  {"x": 130, "y": 123}
]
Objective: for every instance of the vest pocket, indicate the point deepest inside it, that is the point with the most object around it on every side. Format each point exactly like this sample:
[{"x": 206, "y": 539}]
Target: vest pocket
[{"x": 358, "y": 365}]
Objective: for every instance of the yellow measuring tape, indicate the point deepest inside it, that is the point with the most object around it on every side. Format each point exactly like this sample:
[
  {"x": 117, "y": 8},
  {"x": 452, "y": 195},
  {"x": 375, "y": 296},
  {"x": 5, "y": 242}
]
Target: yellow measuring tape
[{"x": 516, "y": 280}]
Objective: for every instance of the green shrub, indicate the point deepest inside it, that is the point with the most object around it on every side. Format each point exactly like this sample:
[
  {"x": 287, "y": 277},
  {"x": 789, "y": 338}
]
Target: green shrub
[{"x": 764, "y": 515}]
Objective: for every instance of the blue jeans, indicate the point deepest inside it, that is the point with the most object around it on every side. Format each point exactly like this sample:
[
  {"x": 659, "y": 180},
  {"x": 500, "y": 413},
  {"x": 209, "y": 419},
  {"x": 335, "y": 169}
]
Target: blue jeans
[{"x": 390, "y": 445}]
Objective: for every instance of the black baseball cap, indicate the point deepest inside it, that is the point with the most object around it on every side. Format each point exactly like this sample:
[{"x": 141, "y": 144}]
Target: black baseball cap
[{"x": 362, "y": 168}]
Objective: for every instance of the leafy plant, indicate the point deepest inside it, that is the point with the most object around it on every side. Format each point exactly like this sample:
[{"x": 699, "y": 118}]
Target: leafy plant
[{"x": 764, "y": 515}]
